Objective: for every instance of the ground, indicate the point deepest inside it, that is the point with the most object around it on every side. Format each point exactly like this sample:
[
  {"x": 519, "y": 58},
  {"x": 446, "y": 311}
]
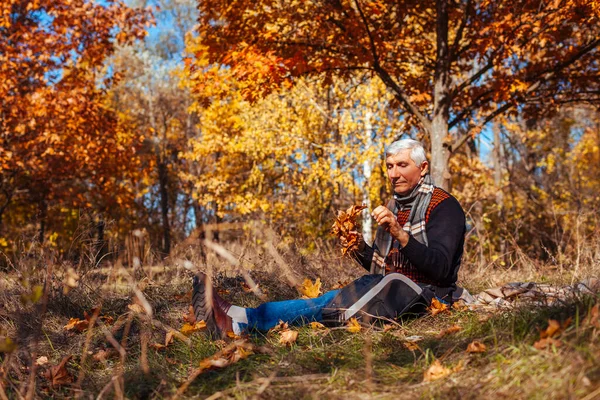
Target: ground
[{"x": 119, "y": 350}]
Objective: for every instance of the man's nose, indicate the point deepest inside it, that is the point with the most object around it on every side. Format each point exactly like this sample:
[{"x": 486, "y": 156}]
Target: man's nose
[{"x": 394, "y": 172}]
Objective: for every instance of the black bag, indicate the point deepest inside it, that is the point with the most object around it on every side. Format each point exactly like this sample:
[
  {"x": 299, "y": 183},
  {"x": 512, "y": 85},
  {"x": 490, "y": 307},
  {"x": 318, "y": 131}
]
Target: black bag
[{"x": 373, "y": 296}]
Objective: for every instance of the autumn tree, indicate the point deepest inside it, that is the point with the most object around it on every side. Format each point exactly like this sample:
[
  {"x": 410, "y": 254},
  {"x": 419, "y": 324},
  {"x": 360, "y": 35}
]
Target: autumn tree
[
  {"x": 152, "y": 93},
  {"x": 292, "y": 157},
  {"x": 452, "y": 66},
  {"x": 60, "y": 143}
]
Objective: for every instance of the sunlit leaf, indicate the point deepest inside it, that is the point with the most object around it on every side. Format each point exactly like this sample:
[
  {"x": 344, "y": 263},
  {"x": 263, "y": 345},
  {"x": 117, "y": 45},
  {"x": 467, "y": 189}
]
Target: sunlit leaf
[
  {"x": 476, "y": 347},
  {"x": 188, "y": 328},
  {"x": 436, "y": 371},
  {"x": 288, "y": 337},
  {"x": 352, "y": 325},
  {"x": 310, "y": 289}
]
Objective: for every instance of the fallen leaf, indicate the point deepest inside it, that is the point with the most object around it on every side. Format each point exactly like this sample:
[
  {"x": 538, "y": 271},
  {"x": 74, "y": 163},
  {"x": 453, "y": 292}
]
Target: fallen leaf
[
  {"x": 77, "y": 325},
  {"x": 232, "y": 353},
  {"x": 288, "y": 337},
  {"x": 309, "y": 289},
  {"x": 553, "y": 329},
  {"x": 188, "y": 329},
  {"x": 58, "y": 375},
  {"x": 448, "y": 331},
  {"x": 157, "y": 346},
  {"x": 436, "y": 371},
  {"x": 460, "y": 305},
  {"x": 353, "y": 326},
  {"x": 317, "y": 325},
  {"x": 43, "y": 360},
  {"x": 232, "y": 335},
  {"x": 412, "y": 346},
  {"x": 437, "y": 307},
  {"x": 547, "y": 342},
  {"x": 281, "y": 326},
  {"x": 169, "y": 338},
  {"x": 476, "y": 347}
]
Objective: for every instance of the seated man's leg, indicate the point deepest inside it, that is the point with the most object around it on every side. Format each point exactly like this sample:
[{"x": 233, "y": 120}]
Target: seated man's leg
[
  {"x": 295, "y": 312},
  {"x": 221, "y": 316},
  {"x": 375, "y": 296}
]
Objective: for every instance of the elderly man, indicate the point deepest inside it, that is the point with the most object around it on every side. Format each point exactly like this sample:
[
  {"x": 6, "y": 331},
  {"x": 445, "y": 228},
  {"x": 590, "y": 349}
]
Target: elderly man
[{"x": 415, "y": 257}]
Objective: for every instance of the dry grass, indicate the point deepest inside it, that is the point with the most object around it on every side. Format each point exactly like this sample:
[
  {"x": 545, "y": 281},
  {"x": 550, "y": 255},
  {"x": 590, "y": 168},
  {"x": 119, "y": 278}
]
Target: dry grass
[{"x": 338, "y": 364}]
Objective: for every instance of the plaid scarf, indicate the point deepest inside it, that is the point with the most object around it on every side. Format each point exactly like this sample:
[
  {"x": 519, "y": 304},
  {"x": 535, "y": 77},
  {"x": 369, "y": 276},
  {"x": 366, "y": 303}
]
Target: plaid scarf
[{"x": 418, "y": 202}]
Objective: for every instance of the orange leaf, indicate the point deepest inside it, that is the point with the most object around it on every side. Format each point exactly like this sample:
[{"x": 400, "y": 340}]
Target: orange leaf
[
  {"x": 188, "y": 329},
  {"x": 437, "y": 307},
  {"x": 58, "y": 375},
  {"x": 476, "y": 347},
  {"x": 553, "y": 329},
  {"x": 77, "y": 325},
  {"x": 547, "y": 342},
  {"x": 436, "y": 371}
]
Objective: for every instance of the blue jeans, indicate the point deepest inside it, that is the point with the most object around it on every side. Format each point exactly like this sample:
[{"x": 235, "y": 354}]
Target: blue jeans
[{"x": 294, "y": 312}]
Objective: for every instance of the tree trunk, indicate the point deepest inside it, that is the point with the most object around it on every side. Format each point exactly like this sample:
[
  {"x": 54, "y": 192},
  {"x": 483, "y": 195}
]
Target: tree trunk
[
  {"x": 163, "y": 181},
  {"x": 440, "y": 153},
  {"x": 367, "y": 220},
  {"x": 43, "y": 216}
]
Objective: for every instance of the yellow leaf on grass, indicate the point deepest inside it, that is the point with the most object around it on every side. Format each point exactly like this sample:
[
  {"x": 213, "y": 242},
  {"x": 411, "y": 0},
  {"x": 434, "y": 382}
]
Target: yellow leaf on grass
[
  {"x": 288, "y": 337},
  {"x": 309, "y": 289},
  {"x": 353, "y": 326},
  {"x": 476, "y": 347},
  {"x": 188, "y": 329},
  {"x": 436, "y": 371},
  {"x": 437, "y": 307},
  {"x": 317, "y": 325}
]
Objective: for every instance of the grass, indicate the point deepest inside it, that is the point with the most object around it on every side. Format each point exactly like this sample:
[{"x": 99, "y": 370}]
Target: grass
[{"x": 334, "y": 364}]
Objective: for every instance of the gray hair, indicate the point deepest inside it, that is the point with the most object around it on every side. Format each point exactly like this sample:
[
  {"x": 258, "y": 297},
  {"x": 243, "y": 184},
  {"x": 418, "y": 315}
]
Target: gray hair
[{"x": 417, "y": 152}]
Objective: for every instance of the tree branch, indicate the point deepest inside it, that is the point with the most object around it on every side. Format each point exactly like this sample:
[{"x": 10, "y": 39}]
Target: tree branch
[
  {"x": 388, "y": 80},
  {"x": 459, "y": 33}
]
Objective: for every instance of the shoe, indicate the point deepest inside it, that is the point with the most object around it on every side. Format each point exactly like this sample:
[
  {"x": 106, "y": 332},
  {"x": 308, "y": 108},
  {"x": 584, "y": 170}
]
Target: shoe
[{"x": 212, "y": 310}]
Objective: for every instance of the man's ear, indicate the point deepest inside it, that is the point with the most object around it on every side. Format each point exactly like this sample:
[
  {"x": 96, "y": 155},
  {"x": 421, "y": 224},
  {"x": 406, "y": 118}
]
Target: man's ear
[{"x": 424, "y": 168}]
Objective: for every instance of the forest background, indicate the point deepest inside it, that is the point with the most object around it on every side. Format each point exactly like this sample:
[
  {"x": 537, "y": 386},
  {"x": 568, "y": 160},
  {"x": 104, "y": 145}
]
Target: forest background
[
  {"x": 285, "y": 121},
  {"x": 131, "y": 132}
]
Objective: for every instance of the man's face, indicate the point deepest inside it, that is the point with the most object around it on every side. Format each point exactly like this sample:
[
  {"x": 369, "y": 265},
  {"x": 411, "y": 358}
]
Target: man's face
[{"x": 403, "y": 172}]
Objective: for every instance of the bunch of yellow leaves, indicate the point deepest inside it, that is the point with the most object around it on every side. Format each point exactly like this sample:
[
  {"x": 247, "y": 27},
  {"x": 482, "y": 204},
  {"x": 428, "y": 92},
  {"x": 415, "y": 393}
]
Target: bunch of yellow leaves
[{"x": 345, "y": 227}]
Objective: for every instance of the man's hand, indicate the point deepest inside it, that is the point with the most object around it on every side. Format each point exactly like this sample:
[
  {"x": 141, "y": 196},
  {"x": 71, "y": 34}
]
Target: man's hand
[{"x": 388, "y": 221}]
